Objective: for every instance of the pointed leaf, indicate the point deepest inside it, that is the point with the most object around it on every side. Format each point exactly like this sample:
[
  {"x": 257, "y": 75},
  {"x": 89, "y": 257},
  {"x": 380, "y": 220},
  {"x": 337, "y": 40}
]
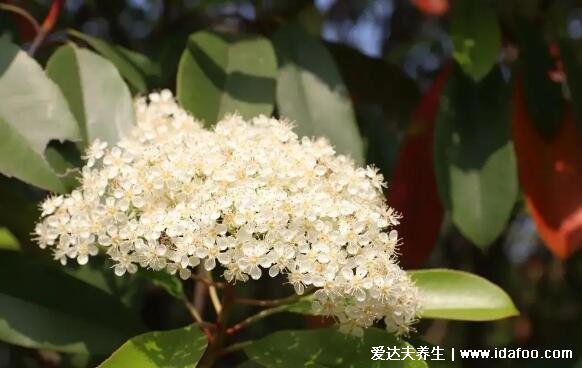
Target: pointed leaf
[
  {"x": 7, "y": 240},
  {"x": 43, "y": 308},
  {"x": 218, "y": 75},
  {"x": 32, "y": 113},
  {"x": 413, "y": 188},
  {"x": 474, "y": 158},
  {"x": 97, "y": 95},
  {"x": 180, "y": 348},
  {"x": 456, "y": 295},
  {"x": 476, "y": 37},
  {"x": 550, "y": 171},
  {"x": 327, "y": 348},
  {"x": 311, "y": 92},
  {"x": 18, "y": 209},
  {"x": 136, "y": 68}
]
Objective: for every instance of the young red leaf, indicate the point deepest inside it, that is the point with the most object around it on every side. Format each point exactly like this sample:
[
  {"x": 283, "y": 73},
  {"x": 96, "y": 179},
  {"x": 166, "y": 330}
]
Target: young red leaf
[
  {"x": 413, "y": 189},
  {"x": 550, "y": 172}
]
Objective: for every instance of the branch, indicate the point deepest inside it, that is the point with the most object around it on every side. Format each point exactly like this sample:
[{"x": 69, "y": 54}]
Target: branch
[
  {"x": 47, "y": 25},
  {"x": 194, "y": 312},
  {"x": 212, "y": 352},
  {"x": 254, "y": 318},
  {"x": 23, "y": 13}
]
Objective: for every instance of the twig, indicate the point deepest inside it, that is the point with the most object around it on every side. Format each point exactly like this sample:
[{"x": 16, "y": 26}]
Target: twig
[
  {"x": 23, "y": 13},
  {"x": 214, "y": 295},
  {"x": 194, "y": 312},
  {"x": 207, "y": 281},
  {"x": 254, "y": 318},
  {"x": 273, "y": 302},
  {"x": 207, "y": 327},
  {"x": 47, "y": 26},
  {"x": 235, "y": 347}
]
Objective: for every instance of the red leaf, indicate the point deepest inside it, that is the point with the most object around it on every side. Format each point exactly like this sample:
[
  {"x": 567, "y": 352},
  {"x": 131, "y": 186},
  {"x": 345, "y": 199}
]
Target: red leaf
[
  {"x": 413, "y": 189},
  {"x": 432, "y": 7},
  {"x": 550, "y": 172}
]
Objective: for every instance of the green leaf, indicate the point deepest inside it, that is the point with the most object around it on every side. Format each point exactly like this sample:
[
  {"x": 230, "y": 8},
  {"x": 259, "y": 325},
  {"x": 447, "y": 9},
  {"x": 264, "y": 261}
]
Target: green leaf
[
  {"x": 32, "y": 113},
  {"x": 43, "y": 308},
  {"x": 543, "y": 96},
  {"x": 18, "y": 210},
  {"x": 65, "y": 159},
  {"x": 476, "y": 36},
  {"x": 250, "y": 364},
  {"x": 457, "y": 295},
  {"x": 474, "y": 159},
  {"x": 219, "y": 74},
  {"x": 139, "y": 71},
  {"x": 170, "y": 283},
  {"x": 326, "y": 348},
  {"x": 97, "y": 95},
  {"x": 376, "y": 81},
  {"x": 7, "y": 240},
  {"x": 311, "y": 92},
  {"x": 181, "y": 348}
]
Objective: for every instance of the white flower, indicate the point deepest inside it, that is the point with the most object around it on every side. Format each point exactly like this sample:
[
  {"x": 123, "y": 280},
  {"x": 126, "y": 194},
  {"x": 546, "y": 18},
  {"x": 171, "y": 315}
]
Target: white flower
[
  {"x": 247, "y": 196},
  {"x": 49, "y": 206},
  {"x": 95, "y": 152}
]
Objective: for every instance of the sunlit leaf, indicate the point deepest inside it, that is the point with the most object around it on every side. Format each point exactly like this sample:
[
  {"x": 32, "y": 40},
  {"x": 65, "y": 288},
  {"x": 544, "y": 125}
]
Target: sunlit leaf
[
  {"x": 97, "y": 95},
  {"x": 310, "y": 91},
  {"x": 180, "y": 348},
  {"x": 457, "y": 295},
  {"x": 219, "y": 74},
  {"x": 474, "y": 158},
  {"x": 136, "y": 68},
  {"x": 32, "y": 113}
]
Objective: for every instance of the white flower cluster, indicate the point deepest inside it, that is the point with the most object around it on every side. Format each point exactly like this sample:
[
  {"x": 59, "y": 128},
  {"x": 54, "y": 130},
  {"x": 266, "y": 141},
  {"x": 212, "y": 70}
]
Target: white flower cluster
[{"x": 248, "y": 195}]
